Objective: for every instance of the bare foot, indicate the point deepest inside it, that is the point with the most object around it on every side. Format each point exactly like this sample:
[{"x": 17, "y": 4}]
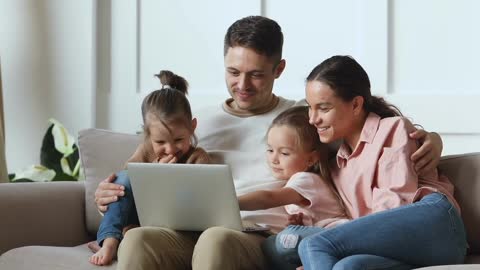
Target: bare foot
[
  {"x": 106, "y": 254},
  {"x": 93, "y": 246}
]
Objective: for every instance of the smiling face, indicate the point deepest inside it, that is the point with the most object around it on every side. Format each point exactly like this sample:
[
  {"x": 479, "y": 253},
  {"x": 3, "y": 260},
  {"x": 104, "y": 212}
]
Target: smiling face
[
  {"x": 285, "y": 154},
  {"x": 174, "y": 139},
  {"x": 249, "y": 77},
  {"x": 333, "y": 117}
]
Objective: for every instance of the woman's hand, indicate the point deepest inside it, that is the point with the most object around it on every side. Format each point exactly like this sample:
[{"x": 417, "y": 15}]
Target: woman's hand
[
  {"x": 108, "y": 192},
  {"x": 428, "y": 155}
]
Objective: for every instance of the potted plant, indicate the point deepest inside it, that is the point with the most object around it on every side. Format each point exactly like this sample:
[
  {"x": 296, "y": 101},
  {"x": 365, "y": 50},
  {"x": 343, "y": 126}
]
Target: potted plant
[{"x": 59, "y": 159}]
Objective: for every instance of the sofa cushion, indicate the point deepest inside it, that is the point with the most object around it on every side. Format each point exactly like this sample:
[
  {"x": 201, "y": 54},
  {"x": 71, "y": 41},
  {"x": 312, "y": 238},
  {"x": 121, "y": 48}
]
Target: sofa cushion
[
  {"x": 473, "y": 259},
  {"x": 50, "y": 258},
  {"x": 452, "y": 267},
  {"x": 51, "y": 213},
  {"x": 102, "y": 152},
  {"x": 464, "y": 172}
]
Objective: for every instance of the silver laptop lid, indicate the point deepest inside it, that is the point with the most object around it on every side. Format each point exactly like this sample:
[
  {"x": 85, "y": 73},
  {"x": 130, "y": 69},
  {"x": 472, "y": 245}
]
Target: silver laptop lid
[{"x": 191, "y": 197}]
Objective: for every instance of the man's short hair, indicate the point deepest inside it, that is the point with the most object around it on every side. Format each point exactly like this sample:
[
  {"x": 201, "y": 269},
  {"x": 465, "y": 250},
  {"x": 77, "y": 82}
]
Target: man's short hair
[{"x": 261, "y": 34}]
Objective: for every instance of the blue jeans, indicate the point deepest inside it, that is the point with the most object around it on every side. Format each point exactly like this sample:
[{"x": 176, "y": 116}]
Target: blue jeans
[
  {"x": 281, "y": 250},
  {"x": 425, "y": 233},
  {"x": 120, "y": 213}
]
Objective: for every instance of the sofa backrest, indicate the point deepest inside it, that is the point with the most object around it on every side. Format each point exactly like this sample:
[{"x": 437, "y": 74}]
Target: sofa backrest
[
  {"x": 464, "y": 172},
  {"x": 102, "y": 152}
]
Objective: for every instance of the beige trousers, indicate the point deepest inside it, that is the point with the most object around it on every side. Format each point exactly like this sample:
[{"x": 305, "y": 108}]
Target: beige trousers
[{"x": 150, "y": 248}]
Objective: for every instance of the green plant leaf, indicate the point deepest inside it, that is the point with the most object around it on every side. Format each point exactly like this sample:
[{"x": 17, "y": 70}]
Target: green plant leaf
[
  {"x": 49, "y": 156},
  {"x": 36, "y": 173},
  {"x": 22, "y": 180},
  {"x": 61, "y": 162},
  {"x": 65, "y": 166},
  {"x": 64, "y": 142},
  {"x": 63, "y": 177},
  {"x": 76, "y": 170}
]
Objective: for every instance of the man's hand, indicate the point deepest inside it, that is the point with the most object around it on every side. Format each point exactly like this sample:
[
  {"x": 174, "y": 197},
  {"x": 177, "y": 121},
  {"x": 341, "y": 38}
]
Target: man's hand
[
  {"x": 108, "y": 192},
  {"x": 428, "y": 155}
]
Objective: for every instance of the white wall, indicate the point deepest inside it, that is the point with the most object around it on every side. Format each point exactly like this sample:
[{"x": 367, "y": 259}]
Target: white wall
[
  {"x": 166, "y": 35},
  {"x": 419, "y": 58},
  {"x": 103, "y": 54},
  {"x": 47, "y": 52}
]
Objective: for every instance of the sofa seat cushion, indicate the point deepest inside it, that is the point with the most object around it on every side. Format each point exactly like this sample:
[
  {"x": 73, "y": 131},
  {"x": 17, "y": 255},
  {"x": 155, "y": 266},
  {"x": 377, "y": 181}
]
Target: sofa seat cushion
[
  {"x": 50, "y": 258},
  {"x": 473, "y": 259},
  {"x": 452, "y": 267},
  {"x": 472, "y": 263}
]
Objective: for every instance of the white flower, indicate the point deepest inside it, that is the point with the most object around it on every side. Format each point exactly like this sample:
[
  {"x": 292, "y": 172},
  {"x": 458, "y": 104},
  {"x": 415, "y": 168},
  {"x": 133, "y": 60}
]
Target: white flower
[
  {"x": 63, "y": 140},
  {"x": 37, "y": 173}
]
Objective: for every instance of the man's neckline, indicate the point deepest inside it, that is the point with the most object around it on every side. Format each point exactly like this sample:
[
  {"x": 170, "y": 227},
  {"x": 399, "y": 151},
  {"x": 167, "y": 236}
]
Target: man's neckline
[{"x": 243, "y": 113}]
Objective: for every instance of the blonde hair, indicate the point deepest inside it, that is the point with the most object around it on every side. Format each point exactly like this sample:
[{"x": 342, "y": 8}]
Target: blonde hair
[
  {"x": 168, "y": 104},
  {"x": 297, "y": 119},
  {"x": 307, "y": 138}
]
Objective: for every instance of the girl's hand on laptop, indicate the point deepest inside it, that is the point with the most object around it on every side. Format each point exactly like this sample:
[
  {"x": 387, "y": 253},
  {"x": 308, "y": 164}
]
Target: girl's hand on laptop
[
  {"x": 295, "y": 219},
  {"x": 108, "y": 192},
  {"x": 167, "y": 159}
]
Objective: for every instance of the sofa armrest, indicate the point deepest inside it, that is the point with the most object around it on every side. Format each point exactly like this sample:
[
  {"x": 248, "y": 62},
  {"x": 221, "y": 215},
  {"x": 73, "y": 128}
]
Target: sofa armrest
[
  {"x": 50, "y": 213},
  {"x": 464, "y": 172}
]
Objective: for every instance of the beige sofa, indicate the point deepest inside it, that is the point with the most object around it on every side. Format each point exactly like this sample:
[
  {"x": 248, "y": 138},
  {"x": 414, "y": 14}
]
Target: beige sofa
[{"x": 44, "y": 226}]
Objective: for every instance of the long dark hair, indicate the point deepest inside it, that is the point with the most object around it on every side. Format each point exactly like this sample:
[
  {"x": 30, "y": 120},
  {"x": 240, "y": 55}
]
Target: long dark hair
[{"x": 347, "y": 78}]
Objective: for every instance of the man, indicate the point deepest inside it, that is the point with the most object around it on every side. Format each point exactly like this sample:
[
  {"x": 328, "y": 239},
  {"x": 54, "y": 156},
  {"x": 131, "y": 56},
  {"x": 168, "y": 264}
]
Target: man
[{"x": 233, "y": 133}]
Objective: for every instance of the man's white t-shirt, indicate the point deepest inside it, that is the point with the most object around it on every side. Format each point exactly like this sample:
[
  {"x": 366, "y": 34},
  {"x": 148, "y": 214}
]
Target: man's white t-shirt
[{"x": 240, "y": 141}]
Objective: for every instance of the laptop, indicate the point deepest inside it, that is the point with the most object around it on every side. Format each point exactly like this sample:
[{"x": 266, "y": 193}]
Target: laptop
[{"x": 186, "y": 197}]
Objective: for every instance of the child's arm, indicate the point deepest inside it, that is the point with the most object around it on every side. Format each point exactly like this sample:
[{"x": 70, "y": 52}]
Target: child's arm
[{"x": 264, "y": 199}]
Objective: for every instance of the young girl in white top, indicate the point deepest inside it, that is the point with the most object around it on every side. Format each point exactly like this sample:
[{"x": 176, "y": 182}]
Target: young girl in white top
[
  {"x": 169, "y": 138},
  {"x": 296, "y": 155}
]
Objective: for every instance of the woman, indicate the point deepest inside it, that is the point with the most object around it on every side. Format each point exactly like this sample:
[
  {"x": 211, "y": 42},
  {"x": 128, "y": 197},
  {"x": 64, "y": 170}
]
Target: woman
[{"x": 400, "y": 220}]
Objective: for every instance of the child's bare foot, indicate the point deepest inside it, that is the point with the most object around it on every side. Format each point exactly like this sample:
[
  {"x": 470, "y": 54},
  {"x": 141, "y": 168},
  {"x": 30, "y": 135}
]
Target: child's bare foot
[
  {"x": 106, "y": 254},
  {"x": 93, "y": 246}
]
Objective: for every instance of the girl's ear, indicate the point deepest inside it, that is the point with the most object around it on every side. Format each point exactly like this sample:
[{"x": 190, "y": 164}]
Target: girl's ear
[
  {"x": 194, "y": 124},
  {"x": 314, "y": 158}
]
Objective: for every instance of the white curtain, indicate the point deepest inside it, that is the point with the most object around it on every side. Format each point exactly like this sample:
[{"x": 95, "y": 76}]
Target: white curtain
[{"x": 3, "y": 163}]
